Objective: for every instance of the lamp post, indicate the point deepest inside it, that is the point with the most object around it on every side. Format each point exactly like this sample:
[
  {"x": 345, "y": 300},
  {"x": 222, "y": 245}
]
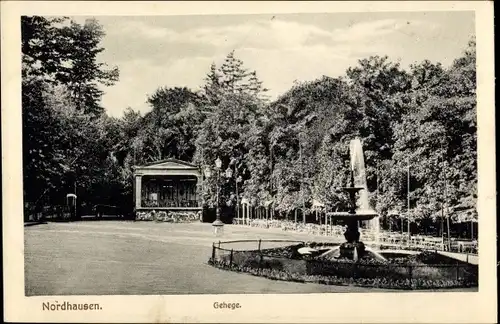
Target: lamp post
[
  {"x": 237, "y": 179},
  {"x": 408, "y": 200},
  {"x": 218, "y": 225},
  {"x": 229, "y": 174},
  {"x": 444, "y": 205},
  {"x": 305, "y": 123}
]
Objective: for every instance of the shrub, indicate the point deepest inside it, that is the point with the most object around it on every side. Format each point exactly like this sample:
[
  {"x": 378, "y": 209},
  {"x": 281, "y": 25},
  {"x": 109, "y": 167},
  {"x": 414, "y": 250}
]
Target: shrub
[{"x": 169, "y": 216}]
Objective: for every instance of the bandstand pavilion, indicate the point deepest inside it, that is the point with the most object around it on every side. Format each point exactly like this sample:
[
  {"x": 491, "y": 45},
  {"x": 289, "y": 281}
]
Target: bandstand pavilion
[{"x": 169, "y": 185}]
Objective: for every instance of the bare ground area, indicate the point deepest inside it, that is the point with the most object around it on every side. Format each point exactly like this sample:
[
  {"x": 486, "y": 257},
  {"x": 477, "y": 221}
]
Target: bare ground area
[{"x": 146, "y": 258}]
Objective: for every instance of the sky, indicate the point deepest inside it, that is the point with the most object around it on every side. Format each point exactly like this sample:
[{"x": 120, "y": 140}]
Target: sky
[{"x": 158, "y": 51}]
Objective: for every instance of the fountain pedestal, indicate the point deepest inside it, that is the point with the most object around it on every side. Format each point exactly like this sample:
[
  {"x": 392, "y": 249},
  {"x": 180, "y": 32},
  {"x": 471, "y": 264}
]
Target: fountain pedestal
[
  {"x": 352, "y": 249},
  {"x": 352, "y": 241}
]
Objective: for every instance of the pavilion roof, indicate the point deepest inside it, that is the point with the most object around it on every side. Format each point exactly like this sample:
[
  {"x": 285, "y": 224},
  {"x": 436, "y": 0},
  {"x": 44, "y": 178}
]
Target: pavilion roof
[{"x": 167, "y": 164}]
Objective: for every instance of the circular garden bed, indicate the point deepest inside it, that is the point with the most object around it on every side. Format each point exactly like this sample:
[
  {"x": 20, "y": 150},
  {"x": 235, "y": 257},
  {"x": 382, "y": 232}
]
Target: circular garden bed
[{"x": 425, "y": 270}]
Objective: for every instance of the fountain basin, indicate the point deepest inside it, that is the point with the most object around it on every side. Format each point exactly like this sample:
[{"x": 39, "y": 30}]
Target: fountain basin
[
  {"x": 352, "y": 251},
  {"x": 352, "y": 189},
  {"x": 351, "y": 216}
]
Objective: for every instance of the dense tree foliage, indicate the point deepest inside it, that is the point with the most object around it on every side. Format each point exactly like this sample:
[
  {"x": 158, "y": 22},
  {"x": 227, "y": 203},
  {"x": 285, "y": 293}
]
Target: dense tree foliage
[
  {"x": 58, "y": 50},
  {"x": 291, "y": 151},
  {"x": 67, "y": 139}
]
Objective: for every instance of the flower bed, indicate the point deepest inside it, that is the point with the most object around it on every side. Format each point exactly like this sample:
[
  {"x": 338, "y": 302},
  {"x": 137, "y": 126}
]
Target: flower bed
[
  {"x": 390, "y": 283},
  {"x": 169, "y": 216},
  {"x": 423, "y": 271}
]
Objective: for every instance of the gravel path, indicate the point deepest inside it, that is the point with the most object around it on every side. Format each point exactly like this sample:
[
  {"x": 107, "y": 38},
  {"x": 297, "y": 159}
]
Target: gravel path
[{"x": 144, "y": 258}]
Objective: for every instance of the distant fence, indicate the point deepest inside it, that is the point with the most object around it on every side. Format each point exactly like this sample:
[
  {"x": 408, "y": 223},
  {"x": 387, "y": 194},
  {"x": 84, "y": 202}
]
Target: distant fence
[
  {"x": 393, "y": 239},
  {"x": 100, "y": 210},
  {"x": 244, "y": 245},
  {"x": 259, "y": 259},
  {"x": 53, "y": 212},
  {"x": 70, "y": 213}
]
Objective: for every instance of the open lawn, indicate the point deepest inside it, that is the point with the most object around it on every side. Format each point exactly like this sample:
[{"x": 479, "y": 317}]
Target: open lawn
[{"x": 145, "y": 258}]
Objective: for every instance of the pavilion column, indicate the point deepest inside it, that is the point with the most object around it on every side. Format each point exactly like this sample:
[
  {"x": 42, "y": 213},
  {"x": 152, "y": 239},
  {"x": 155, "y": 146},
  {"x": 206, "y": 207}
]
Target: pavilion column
[
  {"x": 199, "y": 191},
  {"x": 138, "y": 191}
]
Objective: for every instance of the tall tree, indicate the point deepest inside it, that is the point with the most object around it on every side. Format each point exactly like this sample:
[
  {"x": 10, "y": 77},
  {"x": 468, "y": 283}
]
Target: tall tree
[
  {"x": 438, "y": 136},
  {"x": 86, "y": 73},
  {"x": 63, "y": 51},
  {"x": 63, "y": 134},
  {"x": 168, "y": 131},
  {"x": 223, "y": 135},
  {"x": 231, "y": 77}
]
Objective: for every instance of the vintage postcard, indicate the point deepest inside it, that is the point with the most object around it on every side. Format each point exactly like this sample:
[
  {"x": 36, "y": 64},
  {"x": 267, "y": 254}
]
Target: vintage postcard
[{"x": 248, "y": 162}]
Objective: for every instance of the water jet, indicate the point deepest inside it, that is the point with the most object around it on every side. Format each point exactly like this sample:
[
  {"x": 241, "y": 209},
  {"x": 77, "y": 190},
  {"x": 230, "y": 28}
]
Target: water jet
[{"x": 353, "y": 248}]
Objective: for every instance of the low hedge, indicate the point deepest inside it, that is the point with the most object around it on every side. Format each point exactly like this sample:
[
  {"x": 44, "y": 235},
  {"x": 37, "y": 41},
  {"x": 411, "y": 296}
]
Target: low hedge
[
  {"x": 390, "y": 283},
  {"x": 169, "y": 216}
]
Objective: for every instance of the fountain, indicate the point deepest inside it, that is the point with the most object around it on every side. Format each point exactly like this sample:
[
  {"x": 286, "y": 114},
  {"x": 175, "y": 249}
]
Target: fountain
[
  {"x": 353, "y": 248},
  {"x": 351, "y": 261},
  {"x": 351, "y": 218},
  {"x": 358, "y": 166}
]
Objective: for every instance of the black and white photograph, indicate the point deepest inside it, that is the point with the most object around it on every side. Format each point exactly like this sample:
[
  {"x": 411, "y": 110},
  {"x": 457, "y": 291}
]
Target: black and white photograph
[{"x": 249, "y": 153}]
